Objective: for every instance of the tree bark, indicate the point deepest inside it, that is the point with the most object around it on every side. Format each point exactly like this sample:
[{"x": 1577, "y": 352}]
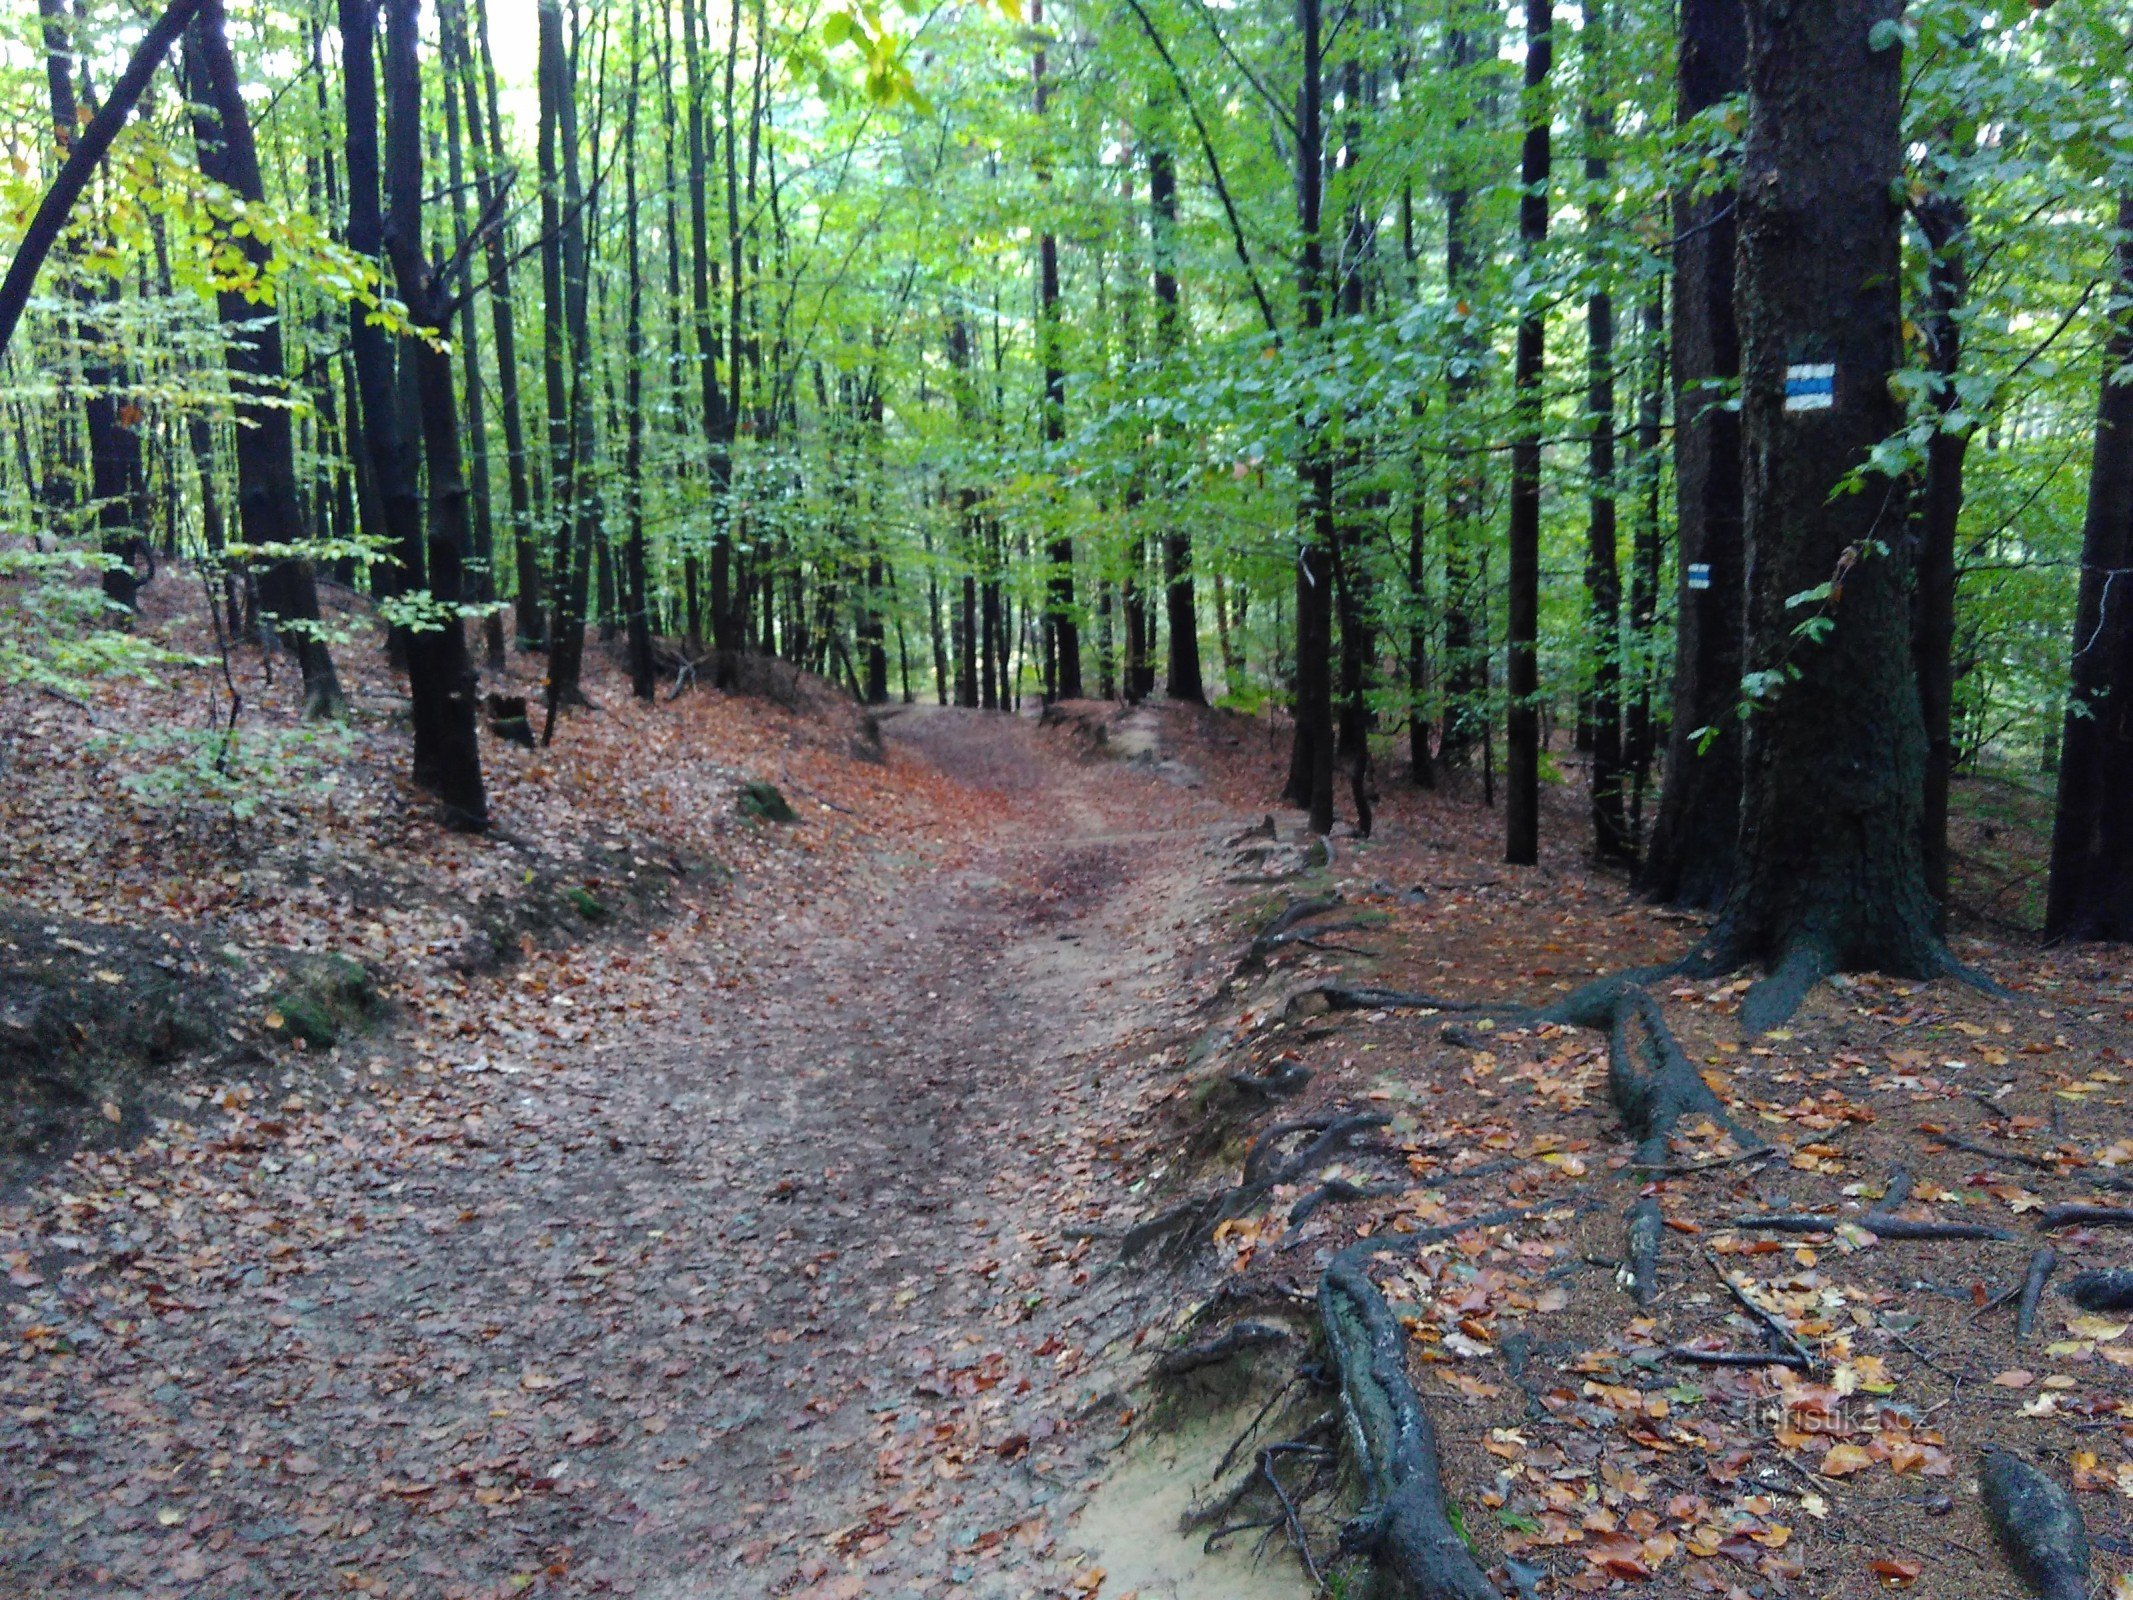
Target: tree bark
[
  {"x": 527, "y": 619},
  {"x": 1310, "y": 782},
  {"x": 1522, "y": 613},
  {"x": 642, "y": 683},
  {"x": 1830, "y": 874},
  {"x": 2091, "y": 888},
  {"x": 1691, "y": 854},
  {"x": 1062, "y": 628},
  {"x": 1182, "y": 678},
  {"x": 1470, "y": 42},
  {"x": 268, "y": 512},
  {"x": 1603, "y": 578},
  {"x": 1944, "y": 220},
  {"x": 441, "y": 679}
]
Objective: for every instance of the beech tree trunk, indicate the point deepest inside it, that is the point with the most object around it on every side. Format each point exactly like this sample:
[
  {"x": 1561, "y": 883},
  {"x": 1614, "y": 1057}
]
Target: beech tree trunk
[
  {"x": 442, "y": 682},
  {"x": 1830, "y": 874},
  {"x": 642, "y": 678},
  {"x": 115, "y": 472},
  {"x": 1062, "y": 630},
  {"x": 525, "y": 537},
  {"x": 2091, "y": 890},
  {"x": 268, "y": 512},
  {"x": 1689, "y": 860}
]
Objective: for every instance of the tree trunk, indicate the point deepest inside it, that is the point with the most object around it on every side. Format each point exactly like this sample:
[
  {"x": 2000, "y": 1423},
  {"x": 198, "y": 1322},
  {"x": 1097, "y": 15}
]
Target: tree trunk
[
  {"x": 1830, "y": 874},
  {"x": 717, "y": 416},
  {"x": 642, "y": 683},
  {"x": 525, "y": 536},
  {"x": 2091, "y": 890},
  {"x": 267, "y": 508},
  {"x": 1062, "y": 628},
  {"x": 441, "y": 679},
  {"x": 1944, "y": 220},
  {"x": 1603, "y": 578},
  {"x": 1310, "y": 782},
  {"x": 451, "y": 38},
  {"x": 114, "y": 447},
  {"x": 1421, "y": 767},
  {"x": 1646, "y": 548},
  {"x": 1181, "y": 681},
  {"x": 1521, "y": 810},
  {"x": 1691, "y": 855},
  {"x": 1470, "y": 42}
]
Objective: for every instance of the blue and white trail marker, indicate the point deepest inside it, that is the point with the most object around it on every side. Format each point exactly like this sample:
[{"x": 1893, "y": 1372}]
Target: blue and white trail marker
[
  {"x": 1699, "y": 574},
  {"x": 1810, "y": 386}
]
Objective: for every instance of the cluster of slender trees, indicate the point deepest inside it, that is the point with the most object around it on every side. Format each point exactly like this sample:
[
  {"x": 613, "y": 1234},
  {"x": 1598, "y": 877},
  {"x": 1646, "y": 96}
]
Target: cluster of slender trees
[{"x": 984, "y": 351}]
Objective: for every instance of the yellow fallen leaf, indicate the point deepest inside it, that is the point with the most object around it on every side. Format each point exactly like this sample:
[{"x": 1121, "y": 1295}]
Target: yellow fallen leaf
[
  {"x": 1845, "y": 1459},
  {"x": 2015, "y": 1378},
  {"x": 2102, "y": 1329}
]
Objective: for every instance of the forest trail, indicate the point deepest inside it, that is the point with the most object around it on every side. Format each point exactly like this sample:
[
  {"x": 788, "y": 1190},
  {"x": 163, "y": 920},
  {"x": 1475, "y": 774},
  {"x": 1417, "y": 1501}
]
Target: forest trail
[{"x": 770, "y": 1297}]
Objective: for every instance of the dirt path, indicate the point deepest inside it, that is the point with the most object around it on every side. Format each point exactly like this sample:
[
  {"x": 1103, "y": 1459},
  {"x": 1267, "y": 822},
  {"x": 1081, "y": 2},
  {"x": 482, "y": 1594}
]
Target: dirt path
[{"x": 765, "y": 1294}]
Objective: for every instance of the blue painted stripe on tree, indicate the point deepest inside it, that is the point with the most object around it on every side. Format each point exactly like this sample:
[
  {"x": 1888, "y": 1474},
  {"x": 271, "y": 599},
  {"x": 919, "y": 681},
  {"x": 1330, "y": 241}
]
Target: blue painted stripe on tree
[{"x": 1810, "y": 386}]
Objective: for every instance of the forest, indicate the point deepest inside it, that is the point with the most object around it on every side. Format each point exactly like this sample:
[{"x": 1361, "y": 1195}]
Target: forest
[{"x": 636, "y": 635}]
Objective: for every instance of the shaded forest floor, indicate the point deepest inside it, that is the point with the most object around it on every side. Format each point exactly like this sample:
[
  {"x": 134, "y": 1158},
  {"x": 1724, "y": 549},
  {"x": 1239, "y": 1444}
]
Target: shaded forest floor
[{"x": 697, "y": 1205}]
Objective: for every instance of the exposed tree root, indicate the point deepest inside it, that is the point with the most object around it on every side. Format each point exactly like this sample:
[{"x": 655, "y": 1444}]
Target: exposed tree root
[
  {"x": 1971, "y": 1147},
  {"x": 1277, "y": 1083},
  {"x": 2075, "y": 1214},
  {"x": 1407, "y": 1529},
  {"x": 1881, "y": 1221},
  {"x": 1912, "y": 1228},
  {"x": 1344, "y": 997},
  {"x": 1184, "y": 1227},
  {"x": 1771, "y": 1002},
  {"x": 1653, "y": 1085},
  {"x": 1784, "y": 1222},
  {"x": 1647, "y": 1226},
  {"x": 2040, "y": 1268},
  {"x": 1297, "y": 911},
  {"x": 2110, "y": 1290},
  {"x": 1239, "y": 1338},
  {"x": 2038, "y": 1524},
  {"x": 1334, "y": 1189},
  {"x": 1735, "y": 1358}
]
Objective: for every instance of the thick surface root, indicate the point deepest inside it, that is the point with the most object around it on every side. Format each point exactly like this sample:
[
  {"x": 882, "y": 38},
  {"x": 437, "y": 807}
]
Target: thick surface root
[
  {"x": 2101, "y": 1291},
  {"x": 2039, "y": 1526},
  {"x": 1408, "y": 1528}
]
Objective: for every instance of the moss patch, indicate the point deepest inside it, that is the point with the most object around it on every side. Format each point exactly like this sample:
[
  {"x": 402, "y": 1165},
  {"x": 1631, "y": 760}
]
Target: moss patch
[
  {"x": 326, "y": 996},
  {"x": 765, "y": 803}
]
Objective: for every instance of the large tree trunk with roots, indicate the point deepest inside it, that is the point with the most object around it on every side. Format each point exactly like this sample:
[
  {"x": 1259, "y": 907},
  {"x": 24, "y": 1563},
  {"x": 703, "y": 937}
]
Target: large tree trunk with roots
[
  {"x": 2091, "y": 894},
  {"x": 1830, "y": 873},
  {"x": 1689, "y": 860}
]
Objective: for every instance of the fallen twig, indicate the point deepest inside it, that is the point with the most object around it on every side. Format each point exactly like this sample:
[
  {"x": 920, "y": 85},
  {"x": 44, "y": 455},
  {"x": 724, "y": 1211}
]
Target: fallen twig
[
  {"x": 2040, "y": 1268},
  {"x": 1779, "y": 1328}
]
